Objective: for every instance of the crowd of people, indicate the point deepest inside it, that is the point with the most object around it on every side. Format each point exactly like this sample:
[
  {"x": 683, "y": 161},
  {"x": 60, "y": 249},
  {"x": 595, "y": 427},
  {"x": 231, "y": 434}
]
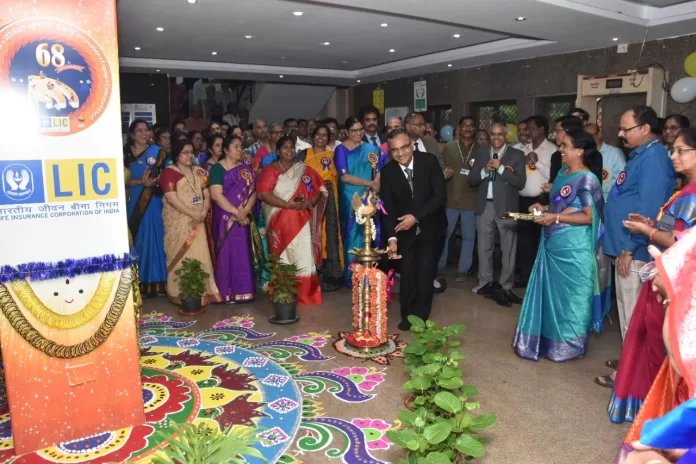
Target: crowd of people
[{"x": 232, "y": 196}]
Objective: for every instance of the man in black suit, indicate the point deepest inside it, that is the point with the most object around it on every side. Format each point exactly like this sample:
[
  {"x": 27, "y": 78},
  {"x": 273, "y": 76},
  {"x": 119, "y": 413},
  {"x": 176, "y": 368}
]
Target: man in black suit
[
  {"x": 369, "y": 116},
  {"x": 414, "y": 195}
]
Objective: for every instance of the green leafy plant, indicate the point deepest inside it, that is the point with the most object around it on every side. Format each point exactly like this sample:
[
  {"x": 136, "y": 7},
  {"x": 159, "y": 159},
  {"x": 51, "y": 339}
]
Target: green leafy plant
[
  {"x": 191, "y": 277},
  {"x": 439, "y": 427},
  {"x": 199, "y": 444},
  {"x": 283, "y": 285}
]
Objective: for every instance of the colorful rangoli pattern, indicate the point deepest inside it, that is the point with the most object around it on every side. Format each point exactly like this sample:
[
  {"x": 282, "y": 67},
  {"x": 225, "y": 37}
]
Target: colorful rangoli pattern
[{"x": 233, "y": 375}]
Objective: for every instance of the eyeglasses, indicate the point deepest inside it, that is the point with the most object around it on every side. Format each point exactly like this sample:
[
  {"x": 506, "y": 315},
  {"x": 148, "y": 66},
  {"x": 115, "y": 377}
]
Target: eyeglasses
[
  {"x": 621, "y": 129},
  {"x": 648, "y": 271},
  {"x": 355, "y": 131},
  {"x": 277, "y": 132},
  {"x": 468, "y": 126},
  {"x": 187, "y": 152},
  {"x": 672, "y": 128},
  {"x": 422, "y": 124},
  {"x": 559, "y": 129},
  {"x": 497, "y": 134},
  {"x": 198, "y": 137},
  {"x": 679, "y": 151}
]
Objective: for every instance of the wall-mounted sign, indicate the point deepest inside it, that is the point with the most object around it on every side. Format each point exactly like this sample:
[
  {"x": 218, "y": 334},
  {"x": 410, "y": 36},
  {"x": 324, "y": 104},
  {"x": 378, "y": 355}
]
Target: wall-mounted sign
[{"x": 420, "y": 96}]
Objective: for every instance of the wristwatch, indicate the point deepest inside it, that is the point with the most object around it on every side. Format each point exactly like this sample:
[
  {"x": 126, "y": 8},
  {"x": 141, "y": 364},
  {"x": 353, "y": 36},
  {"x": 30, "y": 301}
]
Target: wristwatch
[{"x": 626, "y": 253}]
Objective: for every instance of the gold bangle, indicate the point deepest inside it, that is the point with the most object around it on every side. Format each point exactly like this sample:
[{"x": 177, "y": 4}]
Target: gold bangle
[{"x": 558, "y": 218}]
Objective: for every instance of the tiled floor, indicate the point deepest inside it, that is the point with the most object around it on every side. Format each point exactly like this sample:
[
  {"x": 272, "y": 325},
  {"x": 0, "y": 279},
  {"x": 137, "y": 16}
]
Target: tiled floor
[{"x": 548, "y": 413}]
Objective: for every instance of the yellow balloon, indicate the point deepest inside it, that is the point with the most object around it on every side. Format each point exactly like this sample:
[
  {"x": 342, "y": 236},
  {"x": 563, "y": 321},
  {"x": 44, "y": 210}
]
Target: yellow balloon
[
  {"x": 512, "y": 133},
  {"x": 690, "y": 65}
]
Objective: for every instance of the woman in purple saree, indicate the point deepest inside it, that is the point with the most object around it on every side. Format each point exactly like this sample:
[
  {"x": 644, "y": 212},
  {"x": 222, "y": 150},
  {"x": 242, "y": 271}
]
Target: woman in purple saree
[{"x": 233, "y": 189}]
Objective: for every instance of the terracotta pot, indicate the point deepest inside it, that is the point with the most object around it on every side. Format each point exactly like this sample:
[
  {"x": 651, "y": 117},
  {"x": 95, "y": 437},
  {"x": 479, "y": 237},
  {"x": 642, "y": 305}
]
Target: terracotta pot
[{"x": 409, "y": 401}]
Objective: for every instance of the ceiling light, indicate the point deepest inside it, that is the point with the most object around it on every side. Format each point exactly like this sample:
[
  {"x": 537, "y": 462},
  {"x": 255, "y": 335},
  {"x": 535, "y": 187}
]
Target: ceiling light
[
  {"x": 449, "y": 65},
  {"x": 456, "y": 36},
  {"x": 520, "y": 18},
  {"x": 281, "y": 76},
  {"x": 249, "y": 36},
  {"x": 282, "y": 57},
  {"x": 191, "y": 1},
  {"x": 326, "y": 43},
  {"x": 344, "y": 62},
  {"x": 297, "y": 13},
  {"x": 214, "y": 53},
  {"x": 158, "y": 70},
  {"x": 358, "y": 81},
  {"x": 384, "y": 25},
  {"x": 137, "y": 48},
  {"x": 160, "y": 29},
  {"x": 615, "y": 39},
  {"x": 391, "y": 50}
]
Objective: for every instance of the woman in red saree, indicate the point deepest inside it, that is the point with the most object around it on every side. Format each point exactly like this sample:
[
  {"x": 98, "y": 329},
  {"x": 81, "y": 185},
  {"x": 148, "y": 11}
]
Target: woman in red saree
[{"x": 294, "y": 198}]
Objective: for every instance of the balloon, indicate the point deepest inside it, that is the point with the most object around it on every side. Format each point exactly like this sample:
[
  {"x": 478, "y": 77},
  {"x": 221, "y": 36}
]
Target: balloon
[
  {"x": 684, "y": 90},
  {"x": 512, "y": 133},
  {"x": 447, "y": 133},
  {"x": 690, "y": 65}
]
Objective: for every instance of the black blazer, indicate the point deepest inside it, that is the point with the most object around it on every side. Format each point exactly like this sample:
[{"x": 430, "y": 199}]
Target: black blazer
[
  {"x": 381, "y": 138},
  {"x": 426, "y": 203}
]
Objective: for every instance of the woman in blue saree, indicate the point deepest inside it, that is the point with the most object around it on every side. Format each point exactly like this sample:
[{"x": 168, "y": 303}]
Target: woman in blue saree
[
  {"x": 557, "y": 312},
  {"x": 358, "y": 164},
  {"x": 144, "y": 208}
]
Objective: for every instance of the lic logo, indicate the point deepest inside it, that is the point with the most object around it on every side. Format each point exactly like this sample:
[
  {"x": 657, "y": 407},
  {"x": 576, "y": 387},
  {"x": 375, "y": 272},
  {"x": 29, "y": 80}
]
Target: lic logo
[
  {"x": 18, "y": 182},
  {"x": 22, "y": 182}
]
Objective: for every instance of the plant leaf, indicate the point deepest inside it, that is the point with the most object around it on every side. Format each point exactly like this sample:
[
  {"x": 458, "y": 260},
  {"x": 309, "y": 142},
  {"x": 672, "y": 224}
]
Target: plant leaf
[
  {"x": 435, "y": 457},
  {"x": 415, "y": 348},
  {"x": 483, "y": 421},
  {"x": 469, "y": 445},
  {"x": 451, "y": 384},
  {"x": 437, "y": 433},
  {"x": 416, "y": 321},
  {"x": 468, "y": 390},
  {"x": 421, "y": 383},
  {"x": 448, "y": 401},
  {"x": 407, "y": 417}
]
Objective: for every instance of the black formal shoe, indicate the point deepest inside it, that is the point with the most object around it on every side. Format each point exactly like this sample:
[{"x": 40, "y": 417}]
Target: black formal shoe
[
  {"x": 512, "y": 298},
  {"x": 404, "y": 326},
  {"x": 485, "y": 290},
  {"x": 498, "y": 295},
  {"x": 443, "y": 285}
]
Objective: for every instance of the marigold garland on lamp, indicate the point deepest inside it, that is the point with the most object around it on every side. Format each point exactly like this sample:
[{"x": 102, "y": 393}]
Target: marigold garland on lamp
[{"x": 369, "y": 283}]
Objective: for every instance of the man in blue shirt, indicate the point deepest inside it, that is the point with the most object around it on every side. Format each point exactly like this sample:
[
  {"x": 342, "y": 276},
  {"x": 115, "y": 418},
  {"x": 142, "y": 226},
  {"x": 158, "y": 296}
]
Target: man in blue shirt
[{"x": 644, "y": 185}]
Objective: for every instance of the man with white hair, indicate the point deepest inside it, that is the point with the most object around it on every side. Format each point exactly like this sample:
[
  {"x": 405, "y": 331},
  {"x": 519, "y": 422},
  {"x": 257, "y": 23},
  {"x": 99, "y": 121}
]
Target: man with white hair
[
  {"x": 392, "y": 125},
  {"x": 498, "y": 174}
]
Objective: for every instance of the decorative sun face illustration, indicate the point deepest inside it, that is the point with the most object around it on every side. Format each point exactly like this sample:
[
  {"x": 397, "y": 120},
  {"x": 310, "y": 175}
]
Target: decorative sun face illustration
[{"x": 66, "y": 296}]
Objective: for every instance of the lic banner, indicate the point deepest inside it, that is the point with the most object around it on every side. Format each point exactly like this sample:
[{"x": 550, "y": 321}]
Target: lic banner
[{"x": 67, "y": 322}]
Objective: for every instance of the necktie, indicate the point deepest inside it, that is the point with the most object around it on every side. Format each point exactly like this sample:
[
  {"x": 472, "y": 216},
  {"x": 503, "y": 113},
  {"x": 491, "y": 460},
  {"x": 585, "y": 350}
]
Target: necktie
[
  {"x": 417, "y": 147},
  {"x": 409, "y": 176},
  {"x": 374, "y": 141},
  {"x": 493, "y": 173}
]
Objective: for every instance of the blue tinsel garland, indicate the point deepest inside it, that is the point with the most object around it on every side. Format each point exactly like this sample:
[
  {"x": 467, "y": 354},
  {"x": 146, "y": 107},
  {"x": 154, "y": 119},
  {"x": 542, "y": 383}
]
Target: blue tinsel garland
[{"x": 66, "y": 268}]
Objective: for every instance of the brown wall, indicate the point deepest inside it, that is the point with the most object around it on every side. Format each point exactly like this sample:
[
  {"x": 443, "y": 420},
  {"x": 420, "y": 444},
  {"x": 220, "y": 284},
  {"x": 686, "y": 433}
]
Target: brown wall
[{"x": 530, "y": 79}]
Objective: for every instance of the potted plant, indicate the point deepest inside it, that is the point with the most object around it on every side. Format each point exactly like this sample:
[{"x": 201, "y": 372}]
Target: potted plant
[
  {"x": 191, "y": 278},
  {"x": 283, "y": 288},
  {"x": 438, "y": 426}
]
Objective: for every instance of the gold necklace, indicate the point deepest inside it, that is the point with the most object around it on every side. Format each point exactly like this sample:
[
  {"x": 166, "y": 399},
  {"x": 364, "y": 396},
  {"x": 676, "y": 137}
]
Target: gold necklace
[
  {"x": 50, "y": 348},
  {"x": 46, "y": 316}
]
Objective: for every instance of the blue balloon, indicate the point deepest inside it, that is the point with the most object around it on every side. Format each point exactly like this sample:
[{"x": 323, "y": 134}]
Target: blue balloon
[{"x": 447, "y": 133}]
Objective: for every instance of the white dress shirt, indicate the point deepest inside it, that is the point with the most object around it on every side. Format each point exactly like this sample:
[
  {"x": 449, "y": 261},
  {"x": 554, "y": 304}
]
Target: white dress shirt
[
  {"x": 418, "y": 145},
  {"x": 541, "y": 173},
  {"x": 403, "y": 169},
  {"x": 376, "y": 143}
]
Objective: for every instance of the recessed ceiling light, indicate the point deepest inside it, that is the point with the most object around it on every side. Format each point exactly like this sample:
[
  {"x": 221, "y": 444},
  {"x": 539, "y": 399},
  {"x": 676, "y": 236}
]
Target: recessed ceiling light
[
  {"x": 297, "y": 13},
  {"x": 326, "y": 43},
  {"x": 358, "y": 81},
  {"x": 456, "y": 36},
  {"x": 214, "y": 53},
  {"x": 282, "y": 57},
  {"x": 160, "y": 29},
  {"x": 137, "y": 48},
  {"x": 384, "y": 25},
  {"x": 520, "y": 18},
  {"x": 391, "y": 50},
  {"x": 449, "y": 65},
  {"x": 249, "y": 36},
  {"x": 191, "y": 1},
  {"x": 158, "y": 70},
  {"x": 615, "y": 39},
  {"x": 344, "y": 62},
  {"x": 281, "y": 76}
]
